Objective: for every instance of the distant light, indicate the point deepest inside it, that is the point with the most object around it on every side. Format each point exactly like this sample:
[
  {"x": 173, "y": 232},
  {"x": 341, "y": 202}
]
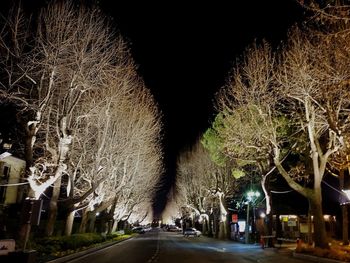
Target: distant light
[
  {"x": 7, "y": 146},
  {"x": 347, "y": 192},
  {"x": 241, "y": 225},
  {"x": 252, "y": 194},
  {"x": 98, "y": 213},
  {"x": 326, "y": 217},
  {"x": 262, "y": 215}
]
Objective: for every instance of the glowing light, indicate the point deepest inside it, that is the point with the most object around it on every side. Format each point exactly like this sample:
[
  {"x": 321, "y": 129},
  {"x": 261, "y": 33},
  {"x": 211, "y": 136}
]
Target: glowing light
[
  {"x": 326, "y": 217},
  {"x": 347, "y": 192},
  {"x": 241, "y": 225},
  {"x": 262, "y": 215},
  {"x": 252, "y": 195}
]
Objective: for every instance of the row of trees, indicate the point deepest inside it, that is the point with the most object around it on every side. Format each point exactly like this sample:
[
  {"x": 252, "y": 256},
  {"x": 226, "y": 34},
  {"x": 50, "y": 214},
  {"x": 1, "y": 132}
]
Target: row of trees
[
  {"x": 91, "y": 129},
  {"x": 285, "y": 110}
]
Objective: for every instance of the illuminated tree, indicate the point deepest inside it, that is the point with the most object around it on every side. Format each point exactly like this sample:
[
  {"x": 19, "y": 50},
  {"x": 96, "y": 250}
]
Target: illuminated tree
[
  {"x": 247, "y": 118},
  {"x": 330, "y": 20},
  {"x": 190, "y": 183},
  {"x": 298, "y": 108},
  {"x": 315, "y": 80},
  {"x": 134, "y": 162},
  {"x": 90, "y": 121},
  {"x": 206, "y": 184}
]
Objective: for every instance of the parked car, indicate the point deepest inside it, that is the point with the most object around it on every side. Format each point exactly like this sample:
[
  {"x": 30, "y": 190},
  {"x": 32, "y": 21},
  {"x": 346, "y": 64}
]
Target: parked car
[
  {"x": 173, "y": 228},
  {"x": 138, "y": 229},
  {"x": 192, "y": 232}
]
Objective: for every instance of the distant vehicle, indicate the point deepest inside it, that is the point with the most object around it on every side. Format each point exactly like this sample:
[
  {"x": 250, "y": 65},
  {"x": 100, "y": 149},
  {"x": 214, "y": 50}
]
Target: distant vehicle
[
  {"x": 138, "y": 229},
  {"x": 147, "y": 228},
  {"x": 173, "y": 228},
  {"x": 192, "y": 232}
]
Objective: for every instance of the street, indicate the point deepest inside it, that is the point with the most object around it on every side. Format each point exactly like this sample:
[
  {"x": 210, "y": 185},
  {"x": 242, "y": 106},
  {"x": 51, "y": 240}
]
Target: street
[{"x": 169, "y": 247}]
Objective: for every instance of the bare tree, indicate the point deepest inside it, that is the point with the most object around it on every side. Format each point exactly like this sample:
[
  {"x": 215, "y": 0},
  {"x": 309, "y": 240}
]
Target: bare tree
[
  {"x": 292, "y": 109},
  {"x": 329, "y": 20},
  {"x": 247, "y": 118},
  {"x": 134, "y": 159},
  {"x": 190, "y": 188},
  {"x": 314, "y": 85},
  {"x": 203, "y": 181},
  {"x": 90, "y": 119}
]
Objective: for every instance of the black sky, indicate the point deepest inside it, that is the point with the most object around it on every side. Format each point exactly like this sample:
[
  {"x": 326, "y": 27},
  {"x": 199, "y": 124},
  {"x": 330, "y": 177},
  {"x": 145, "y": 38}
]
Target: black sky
[{"x": 185, "y": 51}]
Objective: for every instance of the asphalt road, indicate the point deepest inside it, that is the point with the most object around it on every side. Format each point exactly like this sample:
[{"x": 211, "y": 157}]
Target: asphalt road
[{"x": 166, "y": 247}]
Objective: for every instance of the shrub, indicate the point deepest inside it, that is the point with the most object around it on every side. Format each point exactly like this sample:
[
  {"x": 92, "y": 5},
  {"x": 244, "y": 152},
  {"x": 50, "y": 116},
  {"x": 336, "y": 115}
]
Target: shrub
[
  {"x": 80, "y": 240},
  {"x": 50, "y": 245},
  {"x": 336, "y": 252}
]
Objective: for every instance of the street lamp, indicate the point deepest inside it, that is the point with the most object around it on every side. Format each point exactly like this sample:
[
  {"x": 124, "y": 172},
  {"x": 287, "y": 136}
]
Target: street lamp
[
  {"x": 347, "y": 193},
  {"x": 252, "y": 196},
  {"x": 6, "y": 144}
]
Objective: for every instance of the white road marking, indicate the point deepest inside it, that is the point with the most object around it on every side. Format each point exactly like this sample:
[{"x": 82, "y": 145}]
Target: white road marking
[
  {"x": 218, "y": 249},
  {"x": 155, "y": 255}
]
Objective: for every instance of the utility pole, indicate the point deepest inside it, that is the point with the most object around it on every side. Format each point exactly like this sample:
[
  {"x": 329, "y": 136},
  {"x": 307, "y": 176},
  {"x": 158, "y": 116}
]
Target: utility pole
[{"x": 247, "y": 225}]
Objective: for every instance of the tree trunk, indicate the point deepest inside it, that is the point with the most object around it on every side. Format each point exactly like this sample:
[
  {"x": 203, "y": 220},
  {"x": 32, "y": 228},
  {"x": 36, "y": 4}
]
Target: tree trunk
[
  {"x": 84, "y": 221},
  {"x": 92, "y": 219},
  {"x": 210, "y": 225},
  {"x": 309, "y": 226},
  {"x": 111, "y": 217},
  {"x": 115, "y": 225},
  {"x": 269, "y": 226},
  {"x": 223, "y": 223},
  {"x": 31, "y": 130},
  {"x": 53, "y": 207},
  {"x": 222, "y": 230},
  {"x": 69, "y": 223},
  {"x": 320, "y": 236},
  {"x": 205, "y": 225},
  {"x": 110, "y": 227}
]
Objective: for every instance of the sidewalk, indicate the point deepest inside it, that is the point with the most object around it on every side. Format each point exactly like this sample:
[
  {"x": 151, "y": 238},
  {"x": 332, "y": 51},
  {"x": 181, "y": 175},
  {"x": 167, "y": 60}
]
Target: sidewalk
[
  {"x": 85, "y": 252},
  {"x": 291, "y": 249}
]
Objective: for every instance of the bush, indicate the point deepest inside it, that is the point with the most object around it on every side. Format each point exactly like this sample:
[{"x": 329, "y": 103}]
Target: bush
[
  {"x": 81, "y": 240},
  {"x": 336, "y": 252},
  {"x": 50, "y": 245}
]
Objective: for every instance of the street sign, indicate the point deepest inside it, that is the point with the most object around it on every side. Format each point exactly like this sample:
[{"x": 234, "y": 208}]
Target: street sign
[
  {"x": 234, "y": 218},
  {"x": 6, "y": 246}
]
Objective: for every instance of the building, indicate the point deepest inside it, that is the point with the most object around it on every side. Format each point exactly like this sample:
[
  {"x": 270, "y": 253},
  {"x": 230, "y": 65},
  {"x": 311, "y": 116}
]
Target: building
[{"x": 11, "y": 172}]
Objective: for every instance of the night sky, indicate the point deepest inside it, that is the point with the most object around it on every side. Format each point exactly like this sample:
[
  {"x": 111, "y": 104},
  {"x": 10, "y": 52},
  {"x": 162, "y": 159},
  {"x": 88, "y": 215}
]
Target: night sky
[{"x": 184, "y": 51}]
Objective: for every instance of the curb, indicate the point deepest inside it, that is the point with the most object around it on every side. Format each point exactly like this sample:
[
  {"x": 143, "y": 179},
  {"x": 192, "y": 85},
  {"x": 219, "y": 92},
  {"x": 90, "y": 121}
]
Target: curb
[
  {"x": 317, "y": 259},
  {"x": 85, "y": 252}
]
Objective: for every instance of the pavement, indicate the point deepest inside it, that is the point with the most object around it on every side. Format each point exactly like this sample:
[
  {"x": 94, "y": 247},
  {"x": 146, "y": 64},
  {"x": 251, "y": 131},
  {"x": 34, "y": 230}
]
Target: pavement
[
  {"x": 290, "y": 248},
  {"x": 283, "y": 248},
  {"x": 85, "y": 252}
]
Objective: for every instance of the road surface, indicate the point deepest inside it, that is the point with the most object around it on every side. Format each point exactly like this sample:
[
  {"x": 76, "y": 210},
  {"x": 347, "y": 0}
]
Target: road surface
[{"x": 158, "y": 246}]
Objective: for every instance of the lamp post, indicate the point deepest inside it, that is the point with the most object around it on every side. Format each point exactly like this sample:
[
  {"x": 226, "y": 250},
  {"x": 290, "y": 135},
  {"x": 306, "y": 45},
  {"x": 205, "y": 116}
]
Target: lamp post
[
  {"x": 252, "y": 196},
  {"x": 247, "y": 225}
]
